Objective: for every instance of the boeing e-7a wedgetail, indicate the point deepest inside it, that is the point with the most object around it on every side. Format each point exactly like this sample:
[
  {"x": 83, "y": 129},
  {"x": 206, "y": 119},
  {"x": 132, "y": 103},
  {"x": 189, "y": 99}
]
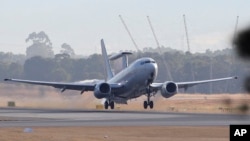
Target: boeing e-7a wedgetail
[{"x": 133, "y": 81}]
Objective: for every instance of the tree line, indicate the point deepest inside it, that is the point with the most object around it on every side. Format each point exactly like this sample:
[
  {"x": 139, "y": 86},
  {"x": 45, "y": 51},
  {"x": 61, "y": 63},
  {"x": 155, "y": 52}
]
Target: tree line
[{"x": 183, "y": 66}]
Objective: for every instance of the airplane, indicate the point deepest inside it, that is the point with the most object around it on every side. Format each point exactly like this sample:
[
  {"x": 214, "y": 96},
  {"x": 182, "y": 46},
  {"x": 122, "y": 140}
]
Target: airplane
[{"x": 133, "y": 81}]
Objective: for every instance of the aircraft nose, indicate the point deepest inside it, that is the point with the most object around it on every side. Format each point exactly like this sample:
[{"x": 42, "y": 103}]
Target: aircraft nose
[{"x": 154, "y": 69}]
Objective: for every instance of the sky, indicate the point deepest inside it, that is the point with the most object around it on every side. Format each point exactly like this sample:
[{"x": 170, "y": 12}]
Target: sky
[{"x": 83, "y": 23}]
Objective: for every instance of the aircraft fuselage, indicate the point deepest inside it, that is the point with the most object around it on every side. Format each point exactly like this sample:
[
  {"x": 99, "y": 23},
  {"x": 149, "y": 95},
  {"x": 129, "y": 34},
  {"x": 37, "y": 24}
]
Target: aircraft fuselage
[{"x": 135, "y": 78}]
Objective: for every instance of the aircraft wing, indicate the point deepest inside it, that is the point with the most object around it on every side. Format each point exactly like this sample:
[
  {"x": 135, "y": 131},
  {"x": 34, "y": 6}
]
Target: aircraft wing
[
  {"x": 80, "y": 86},
  {"x": 191, "y": 83}
]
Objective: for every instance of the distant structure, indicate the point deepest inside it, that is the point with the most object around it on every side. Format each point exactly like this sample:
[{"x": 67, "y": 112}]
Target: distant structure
[
  {"x": 188, "y": 45},
  {"x": 130, "y": 35},
  {"x": 186, "y": 30},
  {"x": 167, "y": 67},
  {"x": 232, "y": 57},
  {"x": 152, "y": 29}
]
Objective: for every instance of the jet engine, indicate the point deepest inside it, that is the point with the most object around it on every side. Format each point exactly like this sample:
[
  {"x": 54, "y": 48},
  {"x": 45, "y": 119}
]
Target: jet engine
[
  {"x": 169, "y": 89},
  {"x": 102, "y": 90}
]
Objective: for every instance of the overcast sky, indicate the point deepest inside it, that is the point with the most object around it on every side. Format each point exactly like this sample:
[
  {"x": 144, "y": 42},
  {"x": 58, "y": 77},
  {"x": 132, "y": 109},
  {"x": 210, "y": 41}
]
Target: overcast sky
[{"x": 82, "y": 23}]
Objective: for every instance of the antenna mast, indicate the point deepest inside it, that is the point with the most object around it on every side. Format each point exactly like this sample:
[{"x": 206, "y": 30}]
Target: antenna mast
[
  {"x": 131, "y": 37},
  {"x": 158, "y": 46},
  {"x": 150, "y": 24},
  {"x": 185, "y": 24},
  {"x": 191, "y": 65},
  {"x": 231, "y": 53}
]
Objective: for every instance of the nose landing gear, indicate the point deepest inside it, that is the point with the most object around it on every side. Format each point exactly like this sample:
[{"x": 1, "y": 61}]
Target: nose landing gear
[{"x": 148, "y": 102}]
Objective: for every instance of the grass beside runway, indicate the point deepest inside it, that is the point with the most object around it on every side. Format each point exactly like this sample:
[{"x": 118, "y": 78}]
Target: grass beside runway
[{"x": 45, "y": 97}]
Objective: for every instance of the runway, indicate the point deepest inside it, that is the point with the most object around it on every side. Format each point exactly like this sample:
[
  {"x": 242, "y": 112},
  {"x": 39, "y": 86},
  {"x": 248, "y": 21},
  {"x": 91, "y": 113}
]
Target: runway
[{"x": 21, "y": 117}]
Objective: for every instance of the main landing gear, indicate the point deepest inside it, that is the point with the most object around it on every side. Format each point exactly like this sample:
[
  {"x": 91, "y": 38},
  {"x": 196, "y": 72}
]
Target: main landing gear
[
  {"x": 148, "y": 102},
  {"x": 108, "y": 103}
]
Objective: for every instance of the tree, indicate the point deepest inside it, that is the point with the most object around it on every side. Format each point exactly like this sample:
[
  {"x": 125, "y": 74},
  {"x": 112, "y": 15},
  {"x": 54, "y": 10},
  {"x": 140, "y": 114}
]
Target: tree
[
  {"x": 15, "y": 70},
  {"x": 66, "y": 49},
  {"x": 38, "y": 68},
  {"x": 59, "y": 74},
  {"x": 41, "y": 45}
]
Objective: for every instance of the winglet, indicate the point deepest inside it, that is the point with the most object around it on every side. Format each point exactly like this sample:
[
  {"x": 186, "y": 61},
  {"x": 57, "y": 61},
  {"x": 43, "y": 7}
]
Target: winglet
[{"x": 106, "y": 61}]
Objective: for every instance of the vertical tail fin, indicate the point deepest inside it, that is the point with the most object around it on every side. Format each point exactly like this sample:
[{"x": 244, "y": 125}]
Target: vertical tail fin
[{"x": 109, "y": 73}]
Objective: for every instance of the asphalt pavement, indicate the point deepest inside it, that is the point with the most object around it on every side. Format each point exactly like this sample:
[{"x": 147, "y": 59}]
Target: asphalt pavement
[{"x": 24, "y": 117}]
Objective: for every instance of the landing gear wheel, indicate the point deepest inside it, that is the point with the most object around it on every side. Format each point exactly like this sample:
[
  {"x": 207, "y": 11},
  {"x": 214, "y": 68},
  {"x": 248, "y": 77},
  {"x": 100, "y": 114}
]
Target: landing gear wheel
[
  {"x": 106, "y": 105},
  {"x": 151, "y": 104},
  {"x": 148, "y": 102},
  {"x": 112, "y": 104},
  {"x": 145, "y": 104}
]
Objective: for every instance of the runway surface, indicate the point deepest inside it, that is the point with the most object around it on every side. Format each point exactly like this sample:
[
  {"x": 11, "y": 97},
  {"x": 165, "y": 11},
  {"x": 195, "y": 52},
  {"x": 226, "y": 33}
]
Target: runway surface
[{"x": 10, "y": 117}]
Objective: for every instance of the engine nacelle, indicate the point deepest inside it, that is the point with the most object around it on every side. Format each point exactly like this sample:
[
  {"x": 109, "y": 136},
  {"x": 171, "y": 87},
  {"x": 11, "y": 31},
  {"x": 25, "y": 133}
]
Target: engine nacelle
[
  {"x": 102, "y": 90},
  {"x": 169, "y": 89}
]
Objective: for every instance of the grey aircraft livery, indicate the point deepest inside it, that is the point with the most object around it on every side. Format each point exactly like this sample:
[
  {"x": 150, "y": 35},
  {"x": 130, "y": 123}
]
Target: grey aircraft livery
[{"x": 133, "y": 81}]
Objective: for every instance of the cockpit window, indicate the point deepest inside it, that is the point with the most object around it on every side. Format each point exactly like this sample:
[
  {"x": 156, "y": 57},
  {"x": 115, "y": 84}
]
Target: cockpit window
[{"x": 148, "y": 61}]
